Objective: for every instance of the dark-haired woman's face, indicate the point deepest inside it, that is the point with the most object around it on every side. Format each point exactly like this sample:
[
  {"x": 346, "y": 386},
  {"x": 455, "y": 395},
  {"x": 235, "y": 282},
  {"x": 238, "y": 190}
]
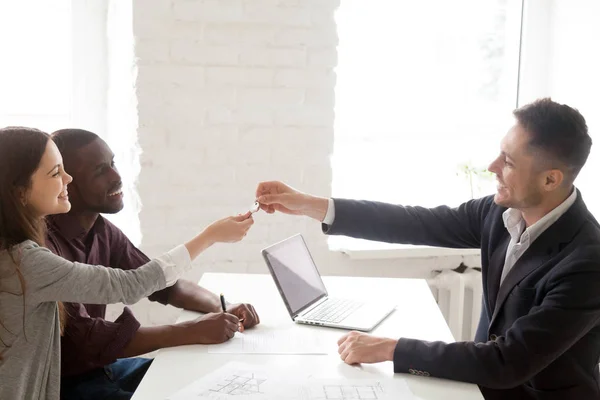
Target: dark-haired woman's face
[{"x": 48, "y": 192}]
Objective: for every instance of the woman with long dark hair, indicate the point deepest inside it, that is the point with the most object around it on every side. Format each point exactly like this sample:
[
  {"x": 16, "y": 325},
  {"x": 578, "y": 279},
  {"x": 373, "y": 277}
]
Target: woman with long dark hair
[{"x": 33, "y": 281}]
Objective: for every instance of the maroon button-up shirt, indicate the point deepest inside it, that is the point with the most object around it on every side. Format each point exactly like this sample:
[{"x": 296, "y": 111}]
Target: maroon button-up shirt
[{"x": 90, "y": 341}]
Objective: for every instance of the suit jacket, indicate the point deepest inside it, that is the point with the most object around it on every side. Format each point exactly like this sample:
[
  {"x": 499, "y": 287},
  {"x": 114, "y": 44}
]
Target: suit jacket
[{"x": 539, "y": 332}]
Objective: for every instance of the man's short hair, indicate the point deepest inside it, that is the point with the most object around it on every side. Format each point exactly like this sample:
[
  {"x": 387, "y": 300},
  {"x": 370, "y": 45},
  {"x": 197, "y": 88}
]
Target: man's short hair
[
  {"x": 70, "y": 140},
  {"x": 558, "y": 133}
]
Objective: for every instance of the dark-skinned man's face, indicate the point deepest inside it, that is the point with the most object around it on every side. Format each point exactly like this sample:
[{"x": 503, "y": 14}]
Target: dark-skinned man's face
[{"x": 96, "y": 185}]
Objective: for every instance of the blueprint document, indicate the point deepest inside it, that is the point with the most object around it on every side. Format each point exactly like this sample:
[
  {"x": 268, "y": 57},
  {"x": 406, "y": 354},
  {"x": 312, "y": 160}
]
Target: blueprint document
[{"x": 242, "y": 381}]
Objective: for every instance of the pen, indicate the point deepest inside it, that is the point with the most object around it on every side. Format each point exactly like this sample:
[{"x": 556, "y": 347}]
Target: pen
[
  {"x": 224, "y": 307},
  {"x": 223, "y": 303}
]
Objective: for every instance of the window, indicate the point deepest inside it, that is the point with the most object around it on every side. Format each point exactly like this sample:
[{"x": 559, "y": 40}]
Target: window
[
  {"x": 570, "y": 63},
  {"x": 424, "y": 94},
  {"x": 35, "y": 40},
  {"x": 55, "y": 74}
]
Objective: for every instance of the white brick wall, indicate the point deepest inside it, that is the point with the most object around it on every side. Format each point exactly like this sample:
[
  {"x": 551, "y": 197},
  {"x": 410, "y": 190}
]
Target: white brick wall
[{"x": 232, "y": 92}]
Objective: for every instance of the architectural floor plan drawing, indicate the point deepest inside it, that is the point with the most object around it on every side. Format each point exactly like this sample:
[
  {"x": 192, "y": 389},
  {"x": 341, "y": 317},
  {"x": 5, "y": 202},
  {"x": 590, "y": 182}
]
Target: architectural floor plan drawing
[
  {"x": 233, "y": 381},
  {"x": 372, "y": 391},
  {"x": 241, "y": 381},
  {"x": 238, "y": 384},
  {"x": 332, "y": 392}
]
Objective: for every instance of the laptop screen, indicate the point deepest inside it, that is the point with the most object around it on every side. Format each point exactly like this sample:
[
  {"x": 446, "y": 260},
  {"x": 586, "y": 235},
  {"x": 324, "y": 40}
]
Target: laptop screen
[{"x": 295, "y": 273}]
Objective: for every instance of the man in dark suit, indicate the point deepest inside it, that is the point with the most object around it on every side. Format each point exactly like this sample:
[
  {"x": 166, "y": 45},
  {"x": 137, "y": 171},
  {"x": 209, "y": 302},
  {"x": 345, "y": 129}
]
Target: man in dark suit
[{"x": 539, "y": 332}]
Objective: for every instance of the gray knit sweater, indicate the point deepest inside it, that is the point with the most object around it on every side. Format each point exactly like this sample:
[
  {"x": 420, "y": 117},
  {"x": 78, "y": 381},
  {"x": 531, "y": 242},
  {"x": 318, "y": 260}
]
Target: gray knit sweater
[{"x": 29, "y": 325}]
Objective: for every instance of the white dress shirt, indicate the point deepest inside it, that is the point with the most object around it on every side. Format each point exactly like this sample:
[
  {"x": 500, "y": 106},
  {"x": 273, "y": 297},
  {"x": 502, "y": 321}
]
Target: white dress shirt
[
  {"x": 521, "y": 238},
  {"x": 330, "y": 215}
]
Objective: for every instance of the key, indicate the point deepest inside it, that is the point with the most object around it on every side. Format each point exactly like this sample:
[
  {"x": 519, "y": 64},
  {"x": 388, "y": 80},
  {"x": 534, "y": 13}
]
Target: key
[{"x": 255, "y": 207}]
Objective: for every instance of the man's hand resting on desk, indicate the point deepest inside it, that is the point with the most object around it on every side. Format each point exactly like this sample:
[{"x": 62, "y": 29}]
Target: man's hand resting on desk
[
  {"x": 277, "y": 196},
  {"x": 356, "y": 347},
  {"x": 246, "y": 313}
]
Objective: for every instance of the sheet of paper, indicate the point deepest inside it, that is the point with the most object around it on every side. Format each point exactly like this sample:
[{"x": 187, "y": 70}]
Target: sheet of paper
[
  {"x": 265, "y": 340},
  {"x": 242, "y": 381},
  {"x": 355, "y": 389},
  {"x": 232, "y": 381}
]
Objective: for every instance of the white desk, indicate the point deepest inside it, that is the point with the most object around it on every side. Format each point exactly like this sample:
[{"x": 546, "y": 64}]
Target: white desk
[{"x": 416, "y": 316}]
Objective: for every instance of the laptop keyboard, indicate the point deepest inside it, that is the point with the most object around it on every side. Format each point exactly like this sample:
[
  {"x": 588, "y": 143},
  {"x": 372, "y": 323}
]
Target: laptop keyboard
[{"x": 333, "y": 310}]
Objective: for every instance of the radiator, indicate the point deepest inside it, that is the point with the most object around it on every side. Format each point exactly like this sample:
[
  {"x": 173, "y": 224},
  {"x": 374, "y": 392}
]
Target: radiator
[{"x": 459, "y": 298}]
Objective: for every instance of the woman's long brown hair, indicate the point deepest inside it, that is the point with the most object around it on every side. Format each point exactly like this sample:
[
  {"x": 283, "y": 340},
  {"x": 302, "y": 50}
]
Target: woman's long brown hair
[{"x": 21, "y": 150}]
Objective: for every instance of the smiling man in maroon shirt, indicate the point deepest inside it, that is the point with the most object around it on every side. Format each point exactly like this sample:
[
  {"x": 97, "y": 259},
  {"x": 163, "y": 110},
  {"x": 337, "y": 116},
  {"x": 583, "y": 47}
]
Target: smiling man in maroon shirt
[{"x": 96, "y": 353}]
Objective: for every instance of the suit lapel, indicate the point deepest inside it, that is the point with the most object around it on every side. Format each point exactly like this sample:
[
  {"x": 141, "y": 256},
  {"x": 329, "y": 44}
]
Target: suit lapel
[
  {"x": 546, "y": 246},
  {"x": 495, "y": 271},
  {"x": 537, "y": 254}
]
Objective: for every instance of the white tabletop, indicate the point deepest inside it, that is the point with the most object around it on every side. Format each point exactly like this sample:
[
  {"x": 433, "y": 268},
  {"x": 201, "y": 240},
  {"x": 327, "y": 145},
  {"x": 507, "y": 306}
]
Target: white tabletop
[{"x": 416, "y": 316}]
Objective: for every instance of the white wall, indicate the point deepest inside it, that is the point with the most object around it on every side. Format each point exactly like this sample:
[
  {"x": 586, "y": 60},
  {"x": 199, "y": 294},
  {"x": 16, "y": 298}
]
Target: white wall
[
  {"x": 576, "y": 80},
  {"x": 232, "y": 92},
  {"x": 561, "y": 60}
]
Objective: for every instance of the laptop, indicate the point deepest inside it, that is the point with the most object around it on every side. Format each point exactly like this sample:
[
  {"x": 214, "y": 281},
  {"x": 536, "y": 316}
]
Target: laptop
[{"x": 305, "y": 296}]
